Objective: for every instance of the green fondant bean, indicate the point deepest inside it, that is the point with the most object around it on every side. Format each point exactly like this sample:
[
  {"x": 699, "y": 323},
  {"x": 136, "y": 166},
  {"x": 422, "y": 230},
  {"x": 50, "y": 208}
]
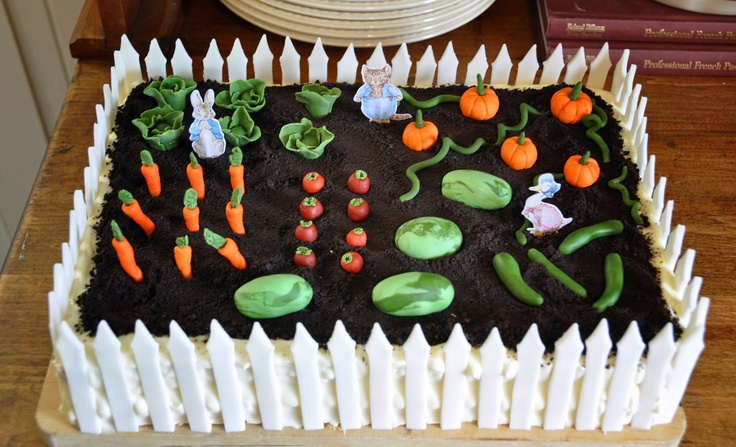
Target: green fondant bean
[
  {"x": 583, "y": 236},
  {"x": 509, "y": 272},
  {"x": 477, "y": 189},
  {"x": 413, "y": 294},
  {"x": 272, "y": 296},
  {"x": 614, "y": 273},
  {"x": 538, "y": 257},
  {"x": 428, "y": 237}
]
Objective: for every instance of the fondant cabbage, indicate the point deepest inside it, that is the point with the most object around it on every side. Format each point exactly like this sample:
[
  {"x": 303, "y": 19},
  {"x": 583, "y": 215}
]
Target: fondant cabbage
[
  {"x": 304, "y": 139},
  {"x": 247, "y": 93},
  {"x": 171, "y": 91},
  {"x": 240, "y": 129},
  {"x": 161, "y": 127},
  {"x": 318, "y": 99}
]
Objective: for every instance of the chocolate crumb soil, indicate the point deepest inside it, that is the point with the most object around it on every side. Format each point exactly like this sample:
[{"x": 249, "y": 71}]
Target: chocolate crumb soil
[{"x": 273, "y": 193}]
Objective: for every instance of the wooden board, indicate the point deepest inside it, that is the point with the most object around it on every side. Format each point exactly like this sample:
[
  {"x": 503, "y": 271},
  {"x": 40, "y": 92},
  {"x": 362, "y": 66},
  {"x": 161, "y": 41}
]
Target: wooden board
[{"x": 57, "y": 432}]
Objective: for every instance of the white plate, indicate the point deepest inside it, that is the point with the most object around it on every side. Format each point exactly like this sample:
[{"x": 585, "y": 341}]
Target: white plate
[
  {"x": 289, "y": 19},
  {"x": 359, "y": 38},
  {"x": 362, "y": 6},
  {"x": 307, "y": 9}
]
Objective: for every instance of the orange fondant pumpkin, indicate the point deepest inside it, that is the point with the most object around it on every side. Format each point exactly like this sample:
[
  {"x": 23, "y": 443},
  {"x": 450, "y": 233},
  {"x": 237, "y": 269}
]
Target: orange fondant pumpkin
[
  {"x": 519, "y": 152},
  {"x": 581, "y": 170},
  {"x": 479, "y": 103},
  {"x": 420, "y": 135},
  {"x": 570, "y": 105}
]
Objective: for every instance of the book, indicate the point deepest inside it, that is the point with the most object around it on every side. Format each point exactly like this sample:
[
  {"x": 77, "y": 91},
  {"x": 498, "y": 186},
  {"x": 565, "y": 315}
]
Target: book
[
  {"x": 657, "y": 59},
  {"x": 633, "y": 21}
]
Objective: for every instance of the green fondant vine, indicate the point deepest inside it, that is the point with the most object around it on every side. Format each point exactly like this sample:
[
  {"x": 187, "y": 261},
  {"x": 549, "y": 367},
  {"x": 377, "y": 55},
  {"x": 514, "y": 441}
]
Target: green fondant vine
[
  {"x": 635, "y": 205},
  {"x": 447, "y": 144},
  {"x": 595, "y": 122},
  {"x": 429, "y": 103},
  {"x": 525, "y": 109}
]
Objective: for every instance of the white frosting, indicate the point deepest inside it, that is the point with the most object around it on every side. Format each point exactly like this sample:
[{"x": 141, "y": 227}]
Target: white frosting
[{"x": 164, "y": 392}]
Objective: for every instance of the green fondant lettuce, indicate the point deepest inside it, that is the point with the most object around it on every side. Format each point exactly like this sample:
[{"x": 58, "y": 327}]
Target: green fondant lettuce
[
  {"x": 318, "y": 99},
  {"x": 240, "y": 129},
  {"x": 246, "y": 93},
  {"x": 305, "y": 139},
  {"x": 161, "y": 127},
  {"x": 171, "y": 91}
]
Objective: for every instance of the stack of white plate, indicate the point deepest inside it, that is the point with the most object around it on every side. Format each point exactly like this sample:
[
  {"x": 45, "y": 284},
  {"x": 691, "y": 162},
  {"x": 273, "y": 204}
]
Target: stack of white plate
[{"x": 363, "y": 23}]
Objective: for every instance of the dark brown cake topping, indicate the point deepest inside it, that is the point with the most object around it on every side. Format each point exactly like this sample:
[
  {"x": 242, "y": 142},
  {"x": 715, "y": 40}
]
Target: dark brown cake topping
[{"x": 273, "y": 178}]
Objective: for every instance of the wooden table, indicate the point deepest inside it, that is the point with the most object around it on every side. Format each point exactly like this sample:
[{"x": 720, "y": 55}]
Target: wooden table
[{"x": 691, "y": 130}]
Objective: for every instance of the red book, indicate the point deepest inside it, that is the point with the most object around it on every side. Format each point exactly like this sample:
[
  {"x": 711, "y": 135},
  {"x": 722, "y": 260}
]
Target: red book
[
  {"x": 658, "y": 58},
  {"x": 632, "y": 21}
]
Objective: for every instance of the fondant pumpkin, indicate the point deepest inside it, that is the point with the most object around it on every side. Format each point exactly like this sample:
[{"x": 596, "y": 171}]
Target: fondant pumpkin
[
  {"x": 479, "y": 103},
  {"x": 570, "y": 104},
  {"x": 420, "y": 135},
  {"x": 581, "y": 170},
  {"x": 519, "y": 152}
]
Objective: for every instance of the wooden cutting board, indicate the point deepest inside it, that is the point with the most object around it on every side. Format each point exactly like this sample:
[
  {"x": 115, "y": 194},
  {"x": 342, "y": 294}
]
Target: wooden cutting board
[{"x": 57, "y": 432}]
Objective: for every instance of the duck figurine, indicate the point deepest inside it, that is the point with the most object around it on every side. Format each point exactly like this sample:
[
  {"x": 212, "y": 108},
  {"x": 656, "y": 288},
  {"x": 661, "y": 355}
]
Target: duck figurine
[{"x": 544, "y": 217}]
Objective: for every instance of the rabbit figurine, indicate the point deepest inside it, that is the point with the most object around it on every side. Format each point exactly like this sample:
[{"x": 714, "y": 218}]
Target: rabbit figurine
[{"x": 205, "y": 133}]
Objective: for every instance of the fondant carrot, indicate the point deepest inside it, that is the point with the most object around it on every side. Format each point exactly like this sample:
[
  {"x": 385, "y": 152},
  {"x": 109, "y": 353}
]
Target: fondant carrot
[
  {"x": 149, "y": 169},
  {"x": 183, "y": 256},
  {"x": 132, "y": 209},
  {"x": 125, "y": 253},
  {"x": 226, "y": 247},
  {"x": 237, "y": 170},
  {"x": 191, "y": 210},
  {"x": 234, "y": 212},
  {"x": 195, "y": 174}
]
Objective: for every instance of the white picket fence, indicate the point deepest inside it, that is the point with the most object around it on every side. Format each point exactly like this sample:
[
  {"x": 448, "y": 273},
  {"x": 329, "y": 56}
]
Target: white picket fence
[{"x": 119, "y": 384}]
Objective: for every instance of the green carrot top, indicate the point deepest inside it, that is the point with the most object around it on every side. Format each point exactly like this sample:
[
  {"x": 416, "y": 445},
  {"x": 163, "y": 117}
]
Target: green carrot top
[
  {"x": 213, "y": 239},
  {"x": 193, "y": 160},
  {"x": 116, "y": 231},
  {"x": 125, "y": 196},
  {"x": 236, "y": 197},
  {"x": 236, "y": 157},
  {"x": 182, "y": 242},
  {"x": 190, "y": 198},
  {"x": 146, "y": 158}
]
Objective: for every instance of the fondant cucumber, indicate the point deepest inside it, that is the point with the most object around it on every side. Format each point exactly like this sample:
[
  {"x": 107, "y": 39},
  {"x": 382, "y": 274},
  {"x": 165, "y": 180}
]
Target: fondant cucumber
[
  {"x": 413, "y": 294},
  {"x": 428, "y": 238},
  {"x": 273, "y": 296},
  {"x": 477, "y": 189}
]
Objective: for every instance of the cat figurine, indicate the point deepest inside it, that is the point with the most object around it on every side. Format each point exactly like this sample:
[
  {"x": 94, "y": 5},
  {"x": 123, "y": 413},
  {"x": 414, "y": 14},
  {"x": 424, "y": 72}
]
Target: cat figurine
[
  {"x": 378, "y": 98},
  {"x": 205, "y": 133}
]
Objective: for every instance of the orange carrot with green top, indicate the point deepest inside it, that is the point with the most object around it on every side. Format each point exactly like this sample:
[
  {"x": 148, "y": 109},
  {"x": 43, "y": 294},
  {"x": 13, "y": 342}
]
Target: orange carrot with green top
[
  {"x": 149, "y": 169},
  {"x": 191, "y": 210},
  {"x": 132, "y": 209},
  {"x": 195, "y": 174},
  {"x": 226, "y": 247},
  {"x": 234, "y": 212},
  {"x": 126, "y": 254},
  {"x": 237, "y": 170},
  {"x": 183, "y": 256}
]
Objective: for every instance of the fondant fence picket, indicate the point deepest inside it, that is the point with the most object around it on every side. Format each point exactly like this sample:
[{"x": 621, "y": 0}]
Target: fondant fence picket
[{"x": 166, "y": 381}]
